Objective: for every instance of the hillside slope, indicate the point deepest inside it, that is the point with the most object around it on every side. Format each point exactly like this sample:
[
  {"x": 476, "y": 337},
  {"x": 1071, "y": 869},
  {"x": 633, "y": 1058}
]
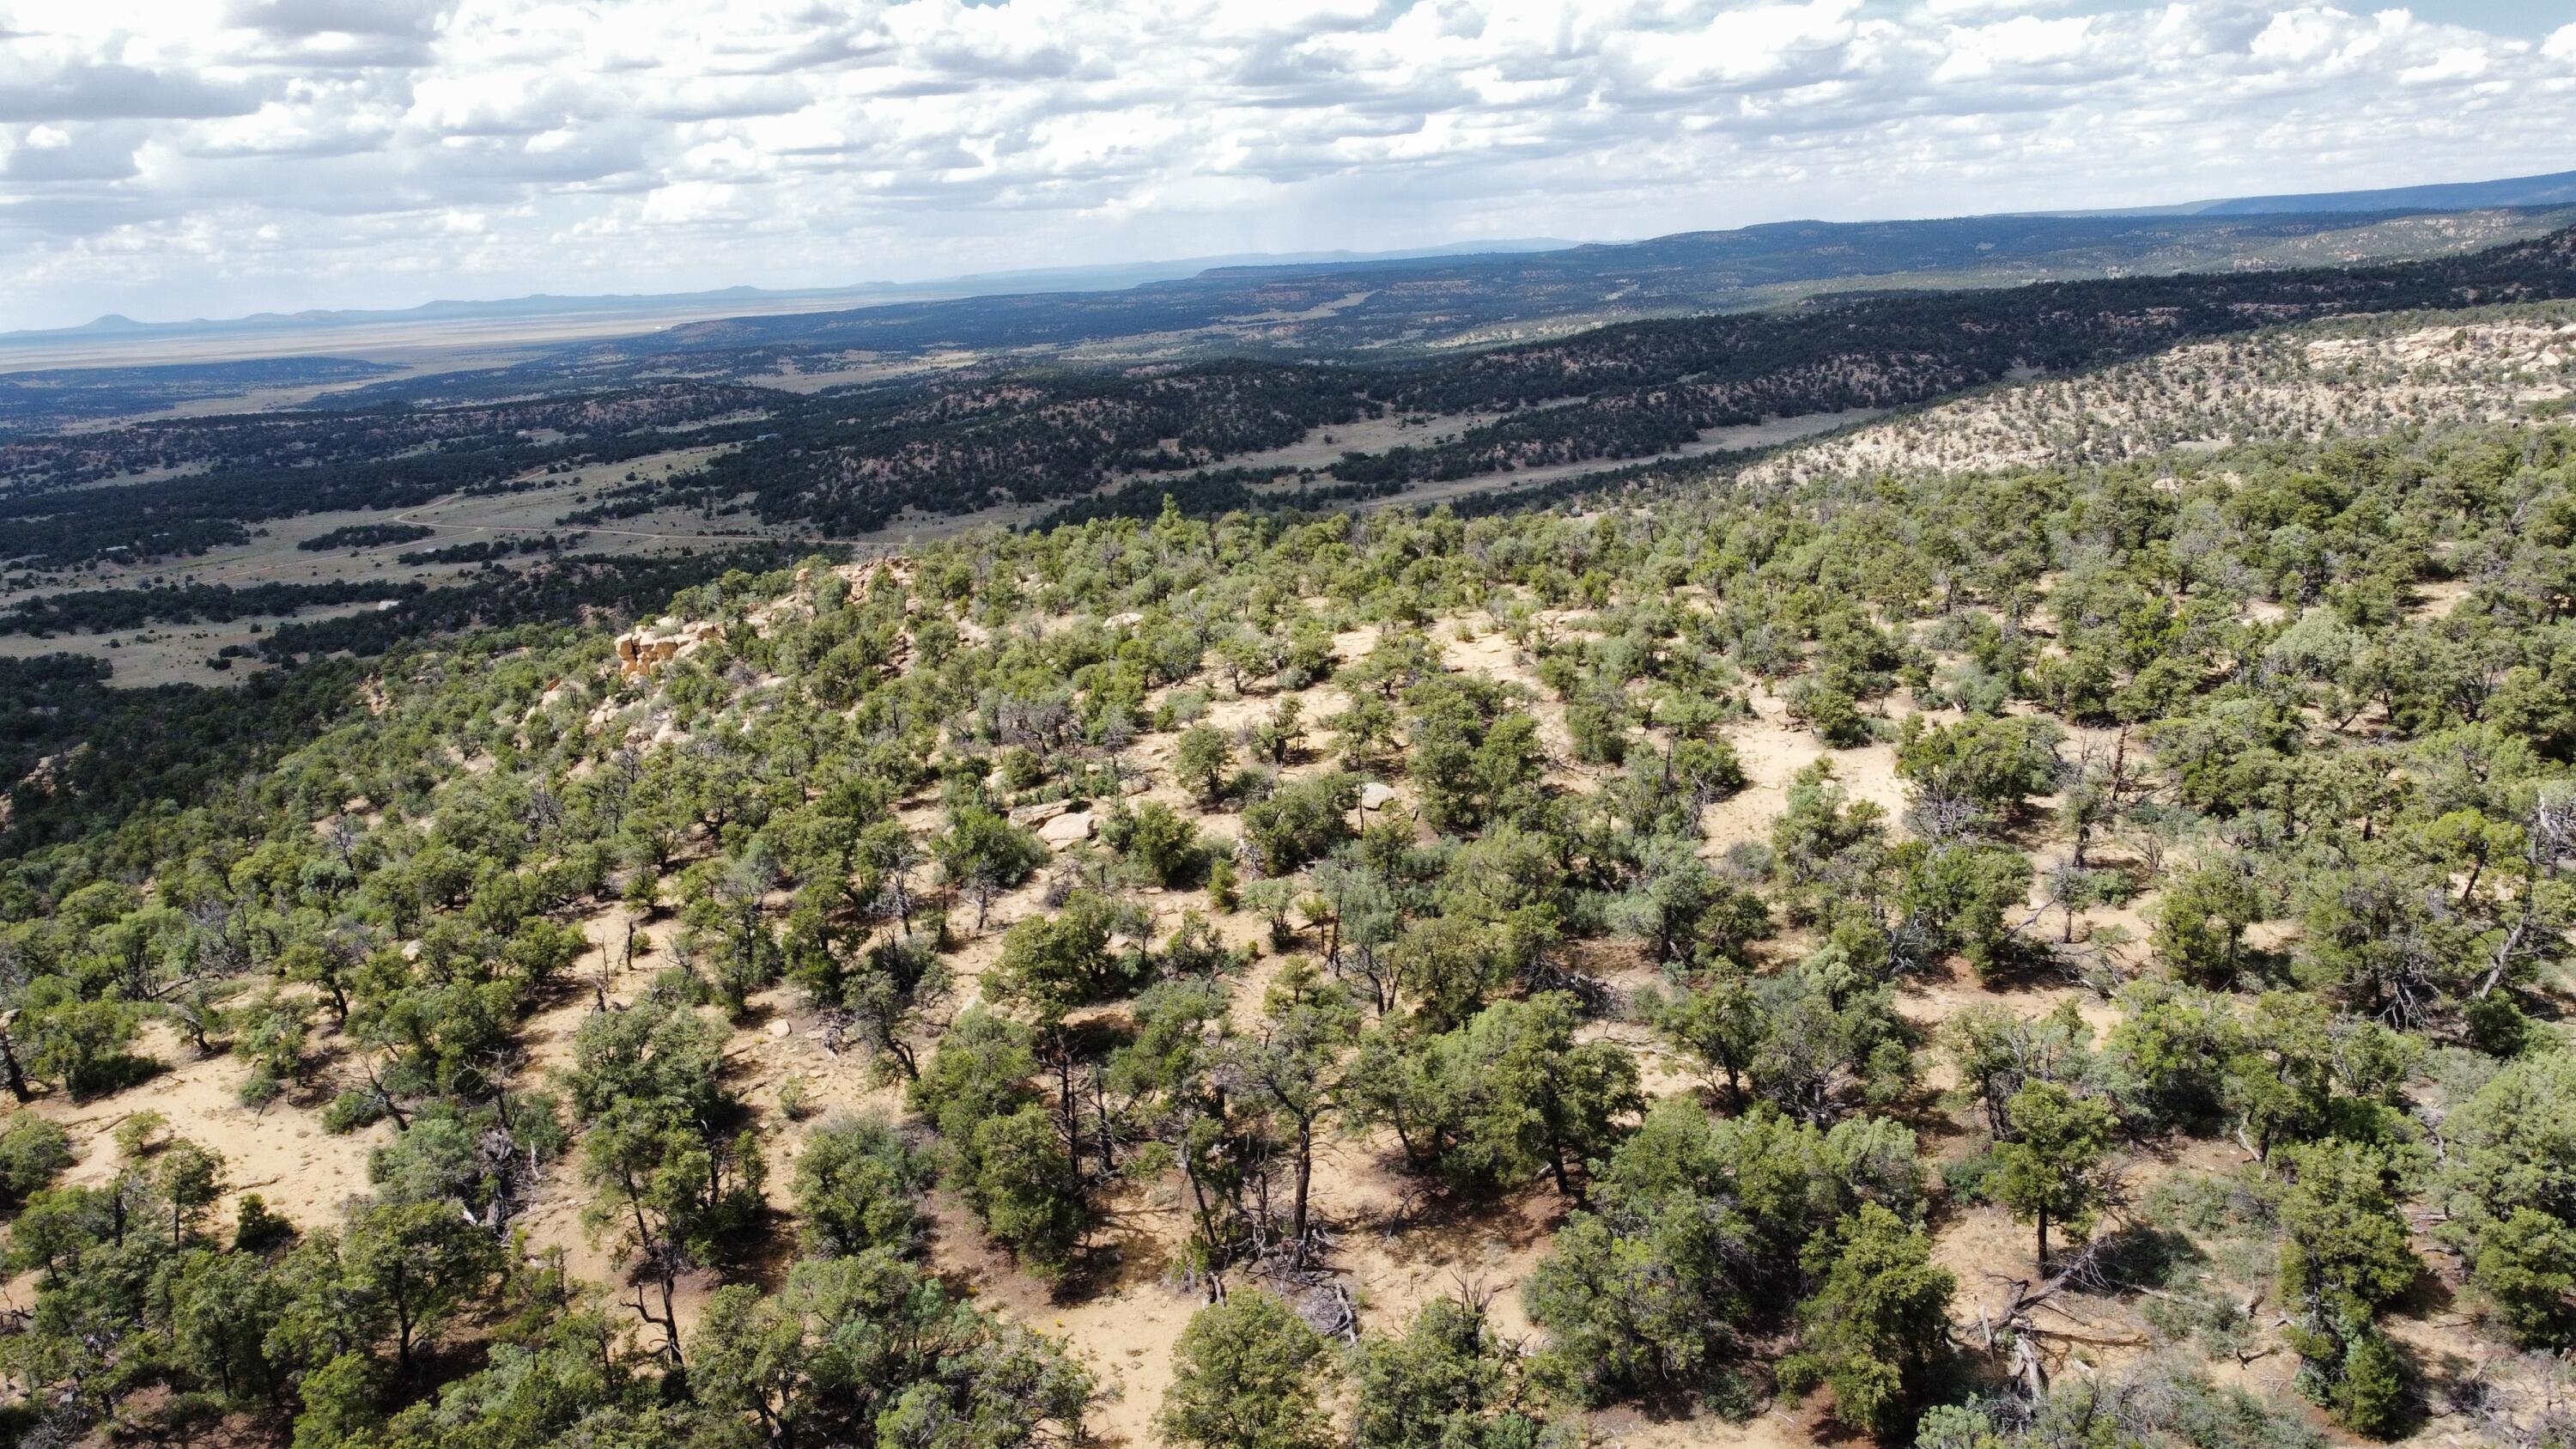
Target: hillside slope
[
  {"x": 1970, "y": 948},
  {"x": 2298, "y": 385}
]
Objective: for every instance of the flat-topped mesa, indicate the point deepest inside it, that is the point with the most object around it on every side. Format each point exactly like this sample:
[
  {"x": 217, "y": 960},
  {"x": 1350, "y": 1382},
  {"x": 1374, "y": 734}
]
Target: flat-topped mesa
[{"x": 641, "y": 650}]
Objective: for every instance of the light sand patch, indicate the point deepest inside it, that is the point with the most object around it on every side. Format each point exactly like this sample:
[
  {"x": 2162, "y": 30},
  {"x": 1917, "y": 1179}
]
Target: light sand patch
[
  {"x": 2302, "y": 383},
  {"x": 280, "y": 1152},
  {"x": 1772, "y": 751}
]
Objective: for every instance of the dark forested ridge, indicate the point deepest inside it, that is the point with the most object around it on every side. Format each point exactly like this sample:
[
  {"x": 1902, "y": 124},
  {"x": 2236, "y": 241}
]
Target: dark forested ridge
[
  {"x": 46, "y": 398},
  {"x": 60, "y": 505},
  {"x": 97, "y": 611},
  {"x": 1298, "y": 306},
  {"x": 365, "y": 536},
  {"x": 849, "y": 459}
]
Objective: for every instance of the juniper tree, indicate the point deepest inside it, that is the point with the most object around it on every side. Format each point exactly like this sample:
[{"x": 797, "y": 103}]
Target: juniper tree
[{"x": 2048, "y": 1171}]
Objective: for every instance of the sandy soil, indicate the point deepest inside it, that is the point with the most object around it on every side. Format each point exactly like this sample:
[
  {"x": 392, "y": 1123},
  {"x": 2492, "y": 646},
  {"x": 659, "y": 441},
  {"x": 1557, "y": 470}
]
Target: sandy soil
[
  {"x": 1396, "y": 1243},
  {"x": 279, "y": 1152}
]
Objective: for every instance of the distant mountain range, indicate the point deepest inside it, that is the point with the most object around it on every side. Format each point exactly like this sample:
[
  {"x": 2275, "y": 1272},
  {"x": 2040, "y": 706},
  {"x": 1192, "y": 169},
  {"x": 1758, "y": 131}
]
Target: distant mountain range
[
  {"x": 1328, "y": 302},
  {"x": 738, "y": 301},
  {"x": 1394, "y": 307},
  {"x": 2556, "y": 189}
]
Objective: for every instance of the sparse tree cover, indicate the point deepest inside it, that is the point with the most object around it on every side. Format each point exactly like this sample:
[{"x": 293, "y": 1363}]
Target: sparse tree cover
[{"x": 1830, "y": 925}]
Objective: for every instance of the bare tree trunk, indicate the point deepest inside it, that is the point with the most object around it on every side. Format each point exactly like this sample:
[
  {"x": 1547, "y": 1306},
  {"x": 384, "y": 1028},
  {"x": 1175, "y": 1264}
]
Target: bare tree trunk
[
  {"x": 16, "y": 1076},
  {"x": 667, "y": 1322},
  {"x": 1305, "y": 1179}
]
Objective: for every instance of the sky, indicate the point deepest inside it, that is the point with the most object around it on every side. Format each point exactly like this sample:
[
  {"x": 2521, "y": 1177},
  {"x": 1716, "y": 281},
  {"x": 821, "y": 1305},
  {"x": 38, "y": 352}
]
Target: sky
[{"x": 169, "y": 159}]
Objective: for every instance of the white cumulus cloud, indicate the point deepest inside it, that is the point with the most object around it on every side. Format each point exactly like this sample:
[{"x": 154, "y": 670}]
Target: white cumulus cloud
[{"x": 211, "y": 157}]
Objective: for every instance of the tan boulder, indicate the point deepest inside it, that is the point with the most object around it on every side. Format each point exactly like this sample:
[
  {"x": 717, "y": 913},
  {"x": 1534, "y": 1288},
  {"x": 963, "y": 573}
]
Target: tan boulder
[{"x": 1065, "y": 830}]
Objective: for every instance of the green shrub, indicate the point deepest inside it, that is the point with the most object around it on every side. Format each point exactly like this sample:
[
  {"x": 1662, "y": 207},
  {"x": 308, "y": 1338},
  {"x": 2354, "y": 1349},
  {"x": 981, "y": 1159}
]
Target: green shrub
[
  {"x": 1162, "y": 843},
  {"x": 1831, "y": 715},
  {"x": 33, "y": 1152},
  {"x": 256, "y": 1229},
  {"x": 859, "y": 1187},
  {"x": 1248, "y": 1374}
]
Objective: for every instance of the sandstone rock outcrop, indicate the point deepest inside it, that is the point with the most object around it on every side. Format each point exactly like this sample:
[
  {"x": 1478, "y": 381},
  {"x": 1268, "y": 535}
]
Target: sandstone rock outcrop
[{"x": 641, "y": 650}]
